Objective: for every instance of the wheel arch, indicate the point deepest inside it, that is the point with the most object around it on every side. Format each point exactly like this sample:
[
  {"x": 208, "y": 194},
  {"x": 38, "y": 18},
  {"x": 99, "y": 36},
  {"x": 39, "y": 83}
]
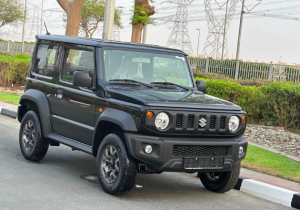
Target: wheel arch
[
  {"x": 111, "y": 121},
  {"x": 37, "y": 101}
]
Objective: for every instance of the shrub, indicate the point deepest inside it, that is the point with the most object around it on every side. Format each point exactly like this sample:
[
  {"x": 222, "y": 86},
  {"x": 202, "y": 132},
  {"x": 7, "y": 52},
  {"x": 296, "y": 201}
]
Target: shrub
[
  {"x": 277, "y": 103},
  {"x": 13, "y": 69},
  {"x": 255, "y": 82},
  {"x": 283, "y": 104}
]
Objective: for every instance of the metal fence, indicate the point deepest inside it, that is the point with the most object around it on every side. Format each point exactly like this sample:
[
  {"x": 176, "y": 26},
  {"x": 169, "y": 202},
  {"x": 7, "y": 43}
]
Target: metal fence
[
  {"x": 15, "y": 47},
  {"x": 247, "y": 70}
]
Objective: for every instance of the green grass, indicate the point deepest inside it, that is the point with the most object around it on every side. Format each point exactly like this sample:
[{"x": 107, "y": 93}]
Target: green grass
[
  {"x": 19, "y": 58},
  {"x": 12, "y": 98},
  {"x": 263, "y": 161}
]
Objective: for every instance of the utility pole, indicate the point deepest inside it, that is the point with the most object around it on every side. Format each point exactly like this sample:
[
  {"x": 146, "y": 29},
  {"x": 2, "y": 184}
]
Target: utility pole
[
  {"x": 108, "y": 24},
  {"x": 24, "y": 23},
  {"x": 240, "y": 31},
  {"x": 224, "y": 33},
  {"x": 145, "y": 34},
  {"x": 42, "y": 13},
  {"x": 198, "y": 41}
]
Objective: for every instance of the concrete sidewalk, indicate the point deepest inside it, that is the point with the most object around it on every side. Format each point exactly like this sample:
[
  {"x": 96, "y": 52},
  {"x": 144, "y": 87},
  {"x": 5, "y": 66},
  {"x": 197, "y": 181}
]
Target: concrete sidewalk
[
  {"x": 269, "y": 187},
  {"x": 265, "y": 178},
  {"x": 8, "y": 106},
  {"x": 9, "y": 110}
]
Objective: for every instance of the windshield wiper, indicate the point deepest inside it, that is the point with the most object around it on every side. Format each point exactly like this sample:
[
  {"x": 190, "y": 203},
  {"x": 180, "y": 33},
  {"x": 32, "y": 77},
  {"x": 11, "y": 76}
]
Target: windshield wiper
[
  {"x": 170, "y": 83},
  {"x": 131, "y": 81}
]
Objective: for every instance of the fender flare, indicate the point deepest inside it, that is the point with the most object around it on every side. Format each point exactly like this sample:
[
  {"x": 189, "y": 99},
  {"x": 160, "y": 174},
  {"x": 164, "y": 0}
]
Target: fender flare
[
  {"x": 40, "y": 99},
  {"x": 118, "y": 117}
]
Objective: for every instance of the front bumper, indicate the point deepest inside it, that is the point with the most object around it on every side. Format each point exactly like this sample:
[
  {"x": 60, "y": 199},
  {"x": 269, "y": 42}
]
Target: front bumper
[{"x": 162, "y": 157}]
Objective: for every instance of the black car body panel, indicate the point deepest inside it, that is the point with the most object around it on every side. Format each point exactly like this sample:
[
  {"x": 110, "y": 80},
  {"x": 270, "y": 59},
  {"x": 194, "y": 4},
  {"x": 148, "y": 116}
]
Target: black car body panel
[
  {"x": 168, "y": 98},
  {"x": 165, "y": 159},
  {"x": 78, "y": 116}
]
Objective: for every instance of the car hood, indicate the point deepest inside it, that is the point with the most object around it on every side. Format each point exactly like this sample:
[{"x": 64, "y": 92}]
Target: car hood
[{"x": 170, "y": 98}]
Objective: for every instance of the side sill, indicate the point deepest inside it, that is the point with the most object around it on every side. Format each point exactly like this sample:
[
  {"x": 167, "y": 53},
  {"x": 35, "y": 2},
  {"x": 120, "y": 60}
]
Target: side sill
[{"x": 71, "y": 143}]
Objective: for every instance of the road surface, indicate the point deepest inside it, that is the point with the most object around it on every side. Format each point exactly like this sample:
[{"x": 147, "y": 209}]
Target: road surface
[{"x": 56, "y": 183}]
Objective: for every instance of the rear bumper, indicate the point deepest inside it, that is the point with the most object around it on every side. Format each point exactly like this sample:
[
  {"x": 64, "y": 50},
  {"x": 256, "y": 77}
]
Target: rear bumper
[{"x": 162, "y": 157}]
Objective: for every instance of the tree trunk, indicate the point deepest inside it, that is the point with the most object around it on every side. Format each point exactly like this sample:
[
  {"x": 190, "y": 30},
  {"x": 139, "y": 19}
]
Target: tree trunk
[
  {"x": 138, "y": 27},
  {"x": 73, "y": 11},
  {"x": 137, "y": 33}
]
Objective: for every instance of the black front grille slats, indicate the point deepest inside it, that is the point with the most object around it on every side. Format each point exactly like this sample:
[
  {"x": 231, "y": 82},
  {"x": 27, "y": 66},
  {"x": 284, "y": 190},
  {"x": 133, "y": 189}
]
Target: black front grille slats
[
  {"x": 200, "y": 151},
  {"x": 212, "y": 124},
  {"x": 200, "y": 123},
  {"x": 190, "y": 123},
  {"x": 179, "y": 118},
  {"x": 222, "y": 122}
]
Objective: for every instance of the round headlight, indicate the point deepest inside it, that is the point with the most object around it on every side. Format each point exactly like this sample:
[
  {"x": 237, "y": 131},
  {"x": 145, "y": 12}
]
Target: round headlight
[
  {"x": 162, "y": 121},
  {"x": 234, "y": 123}
]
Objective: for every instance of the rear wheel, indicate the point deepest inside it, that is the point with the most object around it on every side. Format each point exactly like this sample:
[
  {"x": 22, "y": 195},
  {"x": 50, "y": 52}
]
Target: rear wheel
[
  {"x": 116, "y": 169},
  {"x": 220, "y": 181},
  {"x": 32, "y": 144}
]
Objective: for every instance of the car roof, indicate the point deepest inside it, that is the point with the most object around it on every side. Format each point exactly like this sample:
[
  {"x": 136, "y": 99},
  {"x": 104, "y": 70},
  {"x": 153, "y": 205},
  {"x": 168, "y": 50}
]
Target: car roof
[{"x": 103, "y": 43}]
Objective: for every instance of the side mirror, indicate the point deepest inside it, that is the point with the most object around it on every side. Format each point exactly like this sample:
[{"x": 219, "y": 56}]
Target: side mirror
[
  {"x": 82, "y": 79},
  {"x": 201, "y": 86}
]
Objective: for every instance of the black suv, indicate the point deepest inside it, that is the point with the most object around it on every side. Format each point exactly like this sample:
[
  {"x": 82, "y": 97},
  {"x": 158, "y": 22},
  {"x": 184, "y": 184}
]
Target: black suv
[{"x": 136, "y": 108}]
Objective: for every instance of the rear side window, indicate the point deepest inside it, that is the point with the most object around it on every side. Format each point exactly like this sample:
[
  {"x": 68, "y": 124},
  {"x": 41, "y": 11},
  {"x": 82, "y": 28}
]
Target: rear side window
[
  {"x": 77, "y": 60},
  {"x": 45, "y": 60}
]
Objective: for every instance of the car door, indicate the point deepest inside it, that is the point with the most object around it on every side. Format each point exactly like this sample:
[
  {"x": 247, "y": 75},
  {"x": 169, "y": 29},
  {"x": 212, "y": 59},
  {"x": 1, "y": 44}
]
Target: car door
[{"x": 73, "y": 108}]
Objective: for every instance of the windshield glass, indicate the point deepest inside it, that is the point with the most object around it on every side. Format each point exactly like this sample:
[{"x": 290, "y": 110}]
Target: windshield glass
[{"x": 146, "y": 67}]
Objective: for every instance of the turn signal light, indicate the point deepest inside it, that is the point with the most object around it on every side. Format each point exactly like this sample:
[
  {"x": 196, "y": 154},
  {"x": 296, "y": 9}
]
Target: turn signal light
[
  {"x": 100, "y": 110},
  {"x": 150, "y": 114},
  {"x": 243, "y": 119}
]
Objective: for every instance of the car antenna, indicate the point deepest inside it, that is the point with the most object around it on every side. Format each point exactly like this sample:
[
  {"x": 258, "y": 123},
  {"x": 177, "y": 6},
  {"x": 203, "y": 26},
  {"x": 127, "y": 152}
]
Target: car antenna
[{"x": 46, "y": 29}]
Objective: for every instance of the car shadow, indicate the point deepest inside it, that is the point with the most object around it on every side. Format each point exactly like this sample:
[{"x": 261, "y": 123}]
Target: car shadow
[{"x": 154, "y": 186}]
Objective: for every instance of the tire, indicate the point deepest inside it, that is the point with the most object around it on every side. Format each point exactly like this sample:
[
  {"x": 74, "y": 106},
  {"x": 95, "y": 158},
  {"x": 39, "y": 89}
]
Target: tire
[
  {"x": 32, "y": 143},
  {"x": 222, "y": 181},
  {"x": 120, "y": 168}
]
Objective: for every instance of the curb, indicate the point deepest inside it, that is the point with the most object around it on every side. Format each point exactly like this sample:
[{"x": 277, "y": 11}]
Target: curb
[
  {"x": 269, "y": 192},
  {"x": 8, "y": 113}
]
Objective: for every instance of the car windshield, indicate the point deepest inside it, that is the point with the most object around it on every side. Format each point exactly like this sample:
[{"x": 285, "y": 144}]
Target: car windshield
[{"x": 146, "y": 67}]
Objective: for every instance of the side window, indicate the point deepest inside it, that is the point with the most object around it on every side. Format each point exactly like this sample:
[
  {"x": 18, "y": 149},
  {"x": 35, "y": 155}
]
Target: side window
[
  {"x": 77, "y": 60},
  {"x": 45, "y": 60}
]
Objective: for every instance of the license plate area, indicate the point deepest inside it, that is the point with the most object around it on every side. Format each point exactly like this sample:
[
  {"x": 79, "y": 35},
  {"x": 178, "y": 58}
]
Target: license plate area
[{"x": 203, "y": 163}]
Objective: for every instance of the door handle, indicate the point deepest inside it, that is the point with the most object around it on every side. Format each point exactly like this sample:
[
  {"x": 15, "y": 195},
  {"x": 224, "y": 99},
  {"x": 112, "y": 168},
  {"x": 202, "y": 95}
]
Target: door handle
[{"x": 59, "y": 94}]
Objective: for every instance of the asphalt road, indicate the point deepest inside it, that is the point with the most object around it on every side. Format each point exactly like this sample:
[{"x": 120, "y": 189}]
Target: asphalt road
[{"x": 56, "y": 183}]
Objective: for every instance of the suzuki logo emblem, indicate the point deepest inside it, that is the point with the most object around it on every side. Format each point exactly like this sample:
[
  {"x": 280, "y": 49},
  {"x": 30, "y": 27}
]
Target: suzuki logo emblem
[{"x": 202, "y": 122}]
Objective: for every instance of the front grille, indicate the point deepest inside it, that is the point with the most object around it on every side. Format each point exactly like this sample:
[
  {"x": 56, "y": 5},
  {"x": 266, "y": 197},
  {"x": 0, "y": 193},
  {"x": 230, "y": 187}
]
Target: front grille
[
  {"x": 222, "y": 122},
  {"x": 200, "y": 122},
  {"x": 199, "y": 151},
  {"x": 212, "y": 124},
  {"x": 190, "y": 123},
  {"x": 179, "y": 121}
]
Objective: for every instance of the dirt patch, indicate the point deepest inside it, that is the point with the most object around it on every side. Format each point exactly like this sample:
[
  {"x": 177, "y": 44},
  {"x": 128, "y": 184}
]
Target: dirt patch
[{"x": 14, "y": 89}]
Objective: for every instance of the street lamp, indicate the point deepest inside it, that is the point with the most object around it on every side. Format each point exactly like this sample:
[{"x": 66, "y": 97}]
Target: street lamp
[{"x": 198, "y": 40}]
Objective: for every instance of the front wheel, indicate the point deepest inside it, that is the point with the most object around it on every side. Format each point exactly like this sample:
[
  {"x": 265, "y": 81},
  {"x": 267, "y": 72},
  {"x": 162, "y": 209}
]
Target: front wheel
[
  {"x": 116, "y": 169},
  {"x": 32, "y": 143},
  {"x": 220, "y": 181}
]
